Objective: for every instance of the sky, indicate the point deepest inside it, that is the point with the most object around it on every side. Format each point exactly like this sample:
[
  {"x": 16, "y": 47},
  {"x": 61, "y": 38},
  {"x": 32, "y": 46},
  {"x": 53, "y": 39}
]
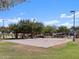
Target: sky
[{"x": 49, "y": 12}]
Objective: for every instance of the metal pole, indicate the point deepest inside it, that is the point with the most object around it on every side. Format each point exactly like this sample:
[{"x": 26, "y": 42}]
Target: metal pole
[
  {"x": 3, "y": 28},
  {"x": 33, "y": 29},
  {"x": 74, "y": 33}
]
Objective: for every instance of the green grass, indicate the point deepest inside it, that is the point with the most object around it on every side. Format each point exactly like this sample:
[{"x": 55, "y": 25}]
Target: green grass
[{"x": 16, "y": 51}]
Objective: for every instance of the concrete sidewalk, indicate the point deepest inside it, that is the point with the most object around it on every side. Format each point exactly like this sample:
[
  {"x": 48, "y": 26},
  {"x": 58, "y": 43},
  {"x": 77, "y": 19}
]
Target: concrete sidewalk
[{"x": 40, "y": 42}]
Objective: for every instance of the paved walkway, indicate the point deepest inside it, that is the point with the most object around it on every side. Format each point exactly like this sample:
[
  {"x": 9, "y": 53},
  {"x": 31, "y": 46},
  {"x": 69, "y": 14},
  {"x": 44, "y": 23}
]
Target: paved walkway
[{"x": 40, "y": 42}]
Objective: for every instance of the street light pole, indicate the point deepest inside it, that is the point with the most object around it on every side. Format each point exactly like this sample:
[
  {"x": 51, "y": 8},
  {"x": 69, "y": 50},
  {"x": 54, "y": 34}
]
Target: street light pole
[
  {"x": 3, "y": 28},
  {"x": 74, "y": 33}
]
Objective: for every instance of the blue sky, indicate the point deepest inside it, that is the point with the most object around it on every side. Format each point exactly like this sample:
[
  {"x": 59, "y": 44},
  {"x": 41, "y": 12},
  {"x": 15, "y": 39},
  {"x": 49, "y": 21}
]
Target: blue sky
[{"x": 49, "y": 12}]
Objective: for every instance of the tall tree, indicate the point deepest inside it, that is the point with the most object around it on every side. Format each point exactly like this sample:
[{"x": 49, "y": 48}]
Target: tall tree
[
  {"x": 49, "y": 29},
  {"x": 63, "y": 29},
  {"x": 14, "y": 29},
  {"x": 6, "y": 4},
  {"x": 26, "y": 27},
  {"x": 38, "y": 27}
]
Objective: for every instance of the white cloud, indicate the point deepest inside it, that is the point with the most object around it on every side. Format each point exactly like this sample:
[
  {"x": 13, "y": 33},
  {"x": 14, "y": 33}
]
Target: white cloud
[
  {"x": 8, "y": 21},
  {"x": 52, "y": 22},
  {"x": 6, "y": 25},
  {"x": 66, "y": 16},
  {"x": 69, "y": 16},
  {"x": 66, "y": 24},
  {"x": 1, "y": 20},
  {"x": 77, "y": 14},
  {"x": 14, "y": 20},
  {"x": 57, "y": 23},
  {"x": 18, "y": 18},
  {"x": 34, "y": 19}
]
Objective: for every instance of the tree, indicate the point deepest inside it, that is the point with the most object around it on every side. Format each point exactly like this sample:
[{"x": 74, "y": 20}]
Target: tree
[
  {"x": 26, "y": 27},
  {"x": 38, "y": 27},
  {"x": 6, "y": 4},
  {"x": 77, "y": 31},
  {"x": 30, "y": 27},
  {"x": 14, "y": 29},
  {"x": 49, "y": 29},
  {"x": 63, "y": 29}
]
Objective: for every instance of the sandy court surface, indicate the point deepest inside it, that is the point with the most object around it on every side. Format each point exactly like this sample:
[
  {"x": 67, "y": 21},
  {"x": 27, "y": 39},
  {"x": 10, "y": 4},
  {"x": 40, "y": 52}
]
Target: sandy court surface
[{"x": 40, "y": 42}]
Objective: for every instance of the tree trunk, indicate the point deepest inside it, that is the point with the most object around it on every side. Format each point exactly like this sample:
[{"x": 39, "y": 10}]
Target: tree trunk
[
  {"x": 16, "y": 35},
  {"x": 32, "y": 35},
  {"x": 23, "y": 35}
]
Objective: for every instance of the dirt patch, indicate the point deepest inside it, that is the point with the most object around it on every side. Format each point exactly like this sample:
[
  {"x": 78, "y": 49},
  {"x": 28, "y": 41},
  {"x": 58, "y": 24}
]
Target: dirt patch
[
  {"x": 33, "y": 49},
  {"x": 28, "y": 48},
  {"x": 59, "y": 46}
]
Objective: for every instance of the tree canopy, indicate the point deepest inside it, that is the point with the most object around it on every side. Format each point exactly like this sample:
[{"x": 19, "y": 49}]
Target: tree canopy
[
  {"x": 63, "y": 29},
  {"x": 6, "y": 4},
  {"x": 26, "y": 26}
]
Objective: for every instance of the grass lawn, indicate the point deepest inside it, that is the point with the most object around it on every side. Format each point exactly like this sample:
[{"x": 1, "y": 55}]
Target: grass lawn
[{"x": 16, "y": 51}]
